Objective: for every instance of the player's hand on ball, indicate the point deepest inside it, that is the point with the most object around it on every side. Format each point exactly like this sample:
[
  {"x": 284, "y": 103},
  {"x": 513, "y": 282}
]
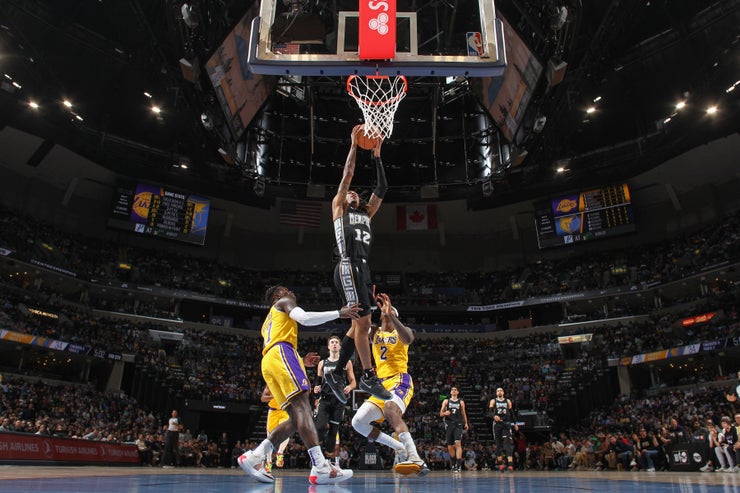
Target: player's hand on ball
[{"x": 355, "y": 132}]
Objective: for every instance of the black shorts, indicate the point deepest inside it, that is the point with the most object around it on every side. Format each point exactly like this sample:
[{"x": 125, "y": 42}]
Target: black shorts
[
  {"x": 352, "y": 280},
  {"x": 501, "y": 431},
  {"x": 330, "y": 410},
  {"x": 454, "y": 433}
]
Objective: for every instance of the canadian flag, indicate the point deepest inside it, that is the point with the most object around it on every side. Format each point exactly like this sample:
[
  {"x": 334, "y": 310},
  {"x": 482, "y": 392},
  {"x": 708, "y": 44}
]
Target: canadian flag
[{"x": 416, "y": 217}]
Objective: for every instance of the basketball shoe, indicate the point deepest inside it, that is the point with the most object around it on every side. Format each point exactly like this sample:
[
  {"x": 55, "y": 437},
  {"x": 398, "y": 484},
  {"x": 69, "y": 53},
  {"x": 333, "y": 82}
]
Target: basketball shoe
[
  {"x": 329, "y": 474},
  {"x": 254, "y": 466}
]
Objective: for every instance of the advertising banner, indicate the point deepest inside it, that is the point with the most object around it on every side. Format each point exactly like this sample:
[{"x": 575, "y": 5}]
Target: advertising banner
[{"x": 22, "y": 447}]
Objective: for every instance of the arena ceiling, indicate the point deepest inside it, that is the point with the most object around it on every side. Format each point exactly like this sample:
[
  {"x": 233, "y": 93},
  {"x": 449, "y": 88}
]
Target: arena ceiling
[{"x": 632, "y": 61}]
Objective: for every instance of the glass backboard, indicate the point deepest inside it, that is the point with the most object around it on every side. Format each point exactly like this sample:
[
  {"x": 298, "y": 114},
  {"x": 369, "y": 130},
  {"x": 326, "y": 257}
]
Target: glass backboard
[{"x": 433, "y": 38}]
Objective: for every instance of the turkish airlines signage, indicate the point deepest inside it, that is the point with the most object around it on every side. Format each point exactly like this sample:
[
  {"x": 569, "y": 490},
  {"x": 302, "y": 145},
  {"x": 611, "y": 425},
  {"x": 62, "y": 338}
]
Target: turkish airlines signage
[
  {"x": 377, "y": 29},
  {"x": 22, "y": 447}
]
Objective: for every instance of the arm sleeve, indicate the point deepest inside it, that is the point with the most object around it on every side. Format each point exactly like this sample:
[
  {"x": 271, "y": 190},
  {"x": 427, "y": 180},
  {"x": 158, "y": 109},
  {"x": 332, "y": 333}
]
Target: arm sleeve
[
  {"x": 513, "y": 414},
  {"x": 312, "y": 318},
  {"x": 382, "y": 185}
]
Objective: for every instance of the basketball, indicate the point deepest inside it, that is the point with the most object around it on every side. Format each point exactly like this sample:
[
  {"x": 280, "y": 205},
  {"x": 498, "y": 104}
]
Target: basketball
[{"x": 366, "y": 142}]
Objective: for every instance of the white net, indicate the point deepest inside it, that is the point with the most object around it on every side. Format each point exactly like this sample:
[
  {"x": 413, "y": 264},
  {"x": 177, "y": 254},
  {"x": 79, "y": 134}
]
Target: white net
[{"x": 378, "y": 98}]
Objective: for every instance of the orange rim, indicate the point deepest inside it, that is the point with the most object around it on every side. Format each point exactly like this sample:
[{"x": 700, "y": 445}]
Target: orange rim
[{"x": 368, "y": 102}]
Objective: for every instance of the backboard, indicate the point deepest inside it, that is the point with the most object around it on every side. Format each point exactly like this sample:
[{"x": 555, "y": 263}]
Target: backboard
[{"x": 437, "y": 38}]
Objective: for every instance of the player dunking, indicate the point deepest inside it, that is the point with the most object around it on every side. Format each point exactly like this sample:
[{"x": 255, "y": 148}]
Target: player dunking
[
  {"x": 456, "y": 421},
  {"x": 503, "y": 422},
  {"x": 352, "y": 274}
]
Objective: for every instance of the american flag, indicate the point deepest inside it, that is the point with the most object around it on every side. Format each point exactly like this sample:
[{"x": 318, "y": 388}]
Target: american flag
[{"x": 306, "y": 214}]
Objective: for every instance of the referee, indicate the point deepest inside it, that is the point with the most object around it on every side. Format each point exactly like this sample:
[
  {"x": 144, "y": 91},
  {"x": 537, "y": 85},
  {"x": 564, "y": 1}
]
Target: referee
[{"x": 171, "y": 439}]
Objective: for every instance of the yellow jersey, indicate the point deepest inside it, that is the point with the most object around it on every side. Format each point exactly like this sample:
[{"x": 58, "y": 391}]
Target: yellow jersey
[
  {"x": 278, "y": 327},
  {"x": 273, "y": 404},
  {"x": 390, "y": 354}
]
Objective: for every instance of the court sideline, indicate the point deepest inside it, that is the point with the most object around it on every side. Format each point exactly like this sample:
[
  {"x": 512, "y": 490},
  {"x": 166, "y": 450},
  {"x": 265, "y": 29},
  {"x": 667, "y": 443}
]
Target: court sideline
[{"x": 26, "y": 479}]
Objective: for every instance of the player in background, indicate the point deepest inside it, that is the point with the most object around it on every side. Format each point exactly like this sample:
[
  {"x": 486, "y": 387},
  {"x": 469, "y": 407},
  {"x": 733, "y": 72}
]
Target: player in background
[
  {"x": 503, "y": 422},
  {"x": 456, "y": 422},
  {"x": 275, "y": 416},
  {"x": 330, "y": 409}
]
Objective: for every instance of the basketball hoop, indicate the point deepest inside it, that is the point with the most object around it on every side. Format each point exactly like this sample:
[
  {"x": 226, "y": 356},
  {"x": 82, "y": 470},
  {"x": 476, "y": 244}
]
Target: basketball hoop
[{"x": 378, "y": 97}]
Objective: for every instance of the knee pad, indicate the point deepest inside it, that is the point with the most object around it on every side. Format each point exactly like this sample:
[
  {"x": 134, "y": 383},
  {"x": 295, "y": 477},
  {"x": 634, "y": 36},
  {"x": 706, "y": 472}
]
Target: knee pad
[{"x": 364, "y": 416}]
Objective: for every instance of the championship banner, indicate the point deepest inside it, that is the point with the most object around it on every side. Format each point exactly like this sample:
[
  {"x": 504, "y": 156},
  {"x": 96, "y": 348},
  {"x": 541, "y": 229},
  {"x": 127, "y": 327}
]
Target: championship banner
[
  {"x": 22, "y": 447},
  {"x": 377, "y": 29}
]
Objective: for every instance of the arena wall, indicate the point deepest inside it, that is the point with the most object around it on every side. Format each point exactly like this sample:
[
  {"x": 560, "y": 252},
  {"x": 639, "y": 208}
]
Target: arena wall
[{"x": 75, "y": 195}]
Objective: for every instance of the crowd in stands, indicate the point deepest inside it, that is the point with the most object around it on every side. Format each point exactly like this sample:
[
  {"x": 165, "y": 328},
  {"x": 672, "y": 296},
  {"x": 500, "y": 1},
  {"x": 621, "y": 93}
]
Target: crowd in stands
[
  {"x": 71, "y": 411},
  {"x": 643, "y": 264},
  {"x": 224, "y": 366},
  {"x": 217, "y": 366},
  {"x": 634, "y": 433}
]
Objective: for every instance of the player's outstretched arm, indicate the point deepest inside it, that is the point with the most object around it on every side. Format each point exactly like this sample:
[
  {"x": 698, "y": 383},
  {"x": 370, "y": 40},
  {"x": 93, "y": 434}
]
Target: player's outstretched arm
[
  {"x": 404, "y": 333},
  {"x": 288, "y": 305},
  {"x": 337, "y": 204}
]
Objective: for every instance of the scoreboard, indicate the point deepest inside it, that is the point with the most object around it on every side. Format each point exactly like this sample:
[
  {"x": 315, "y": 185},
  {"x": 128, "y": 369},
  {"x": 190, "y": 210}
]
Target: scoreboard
[
  {"x": 584, "y": 216},
  {"x": 158, "y": 211}
]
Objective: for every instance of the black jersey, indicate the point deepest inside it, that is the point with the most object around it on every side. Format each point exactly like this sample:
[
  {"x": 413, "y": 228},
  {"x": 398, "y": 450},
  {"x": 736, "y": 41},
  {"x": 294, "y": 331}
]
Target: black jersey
[
  {"x": 329, "y": 366},
  {"x": 455, "y": 409},
  {"x": 353, "y": 235},
  {"x": 501, "y": 409}
]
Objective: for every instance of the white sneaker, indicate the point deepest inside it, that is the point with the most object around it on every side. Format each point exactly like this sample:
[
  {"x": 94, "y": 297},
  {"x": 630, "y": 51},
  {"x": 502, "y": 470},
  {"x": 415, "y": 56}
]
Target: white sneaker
[
  {"x": 650, "y": 469},
  {"x": 400, "y": 456},
  {"x": 254, "y": 465},
  {"x": 706, "y": 468},
  {"x": 329, "y": 474}
]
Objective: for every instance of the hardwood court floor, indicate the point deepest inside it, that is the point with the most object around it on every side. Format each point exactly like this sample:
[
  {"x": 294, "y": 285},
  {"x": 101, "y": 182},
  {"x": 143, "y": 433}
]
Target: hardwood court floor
[{"x": 28, "y": 479}]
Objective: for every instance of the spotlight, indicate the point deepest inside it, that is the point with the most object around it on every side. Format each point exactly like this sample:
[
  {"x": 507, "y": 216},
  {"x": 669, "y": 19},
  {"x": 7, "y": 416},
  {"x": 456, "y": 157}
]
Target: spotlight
[
  {"x": 206, "y": 121},
  {"x": 539, "y": 124},
  {"x": 558, "y": 16},
  {"x": 189, "y": 16}
]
